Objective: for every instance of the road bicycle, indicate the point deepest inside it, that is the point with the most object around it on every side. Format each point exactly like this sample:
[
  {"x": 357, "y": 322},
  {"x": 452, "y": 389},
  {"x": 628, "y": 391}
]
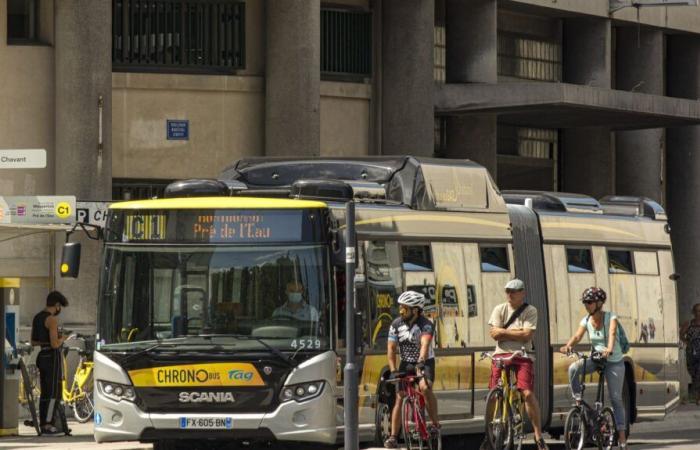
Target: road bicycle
[
  {"x": 413, "y": 414},
  {"x": 79, "y": 396},
  {"x": 29, "y": 389},
  {"x": 586, "y": 423},
  {"x": 505, "y": 406}
]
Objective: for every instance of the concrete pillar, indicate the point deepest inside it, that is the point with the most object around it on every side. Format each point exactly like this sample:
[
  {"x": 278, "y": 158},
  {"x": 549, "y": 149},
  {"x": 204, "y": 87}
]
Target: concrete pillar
[
  {"x": 472, "y": 57},
  {"x": 683, "y": 172},
  {"x": 293, "y": 78},
  {"x": 639, "y": 155},
  {"x": 407, "y": 77},
  {"x": 83, "y": 73},
  {"x": 588, "y": 156},
  {"x": 588, "y": 162}
]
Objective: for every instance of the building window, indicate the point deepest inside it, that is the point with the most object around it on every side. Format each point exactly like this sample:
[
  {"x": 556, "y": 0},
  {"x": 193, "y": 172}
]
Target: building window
[
  {"x": 529, "y": 58},
  {"x": 528, "y": 158},
  {"x": 22, "y": 21},
  {"x": 346, "y": 43},
  {"x": 416, "y": 258},
  {"x": 440, "y": 129},
  {"x": 440, "y": 44},
  {"x": 138, "y": 189},
  {"x": 178, "y": 36}
]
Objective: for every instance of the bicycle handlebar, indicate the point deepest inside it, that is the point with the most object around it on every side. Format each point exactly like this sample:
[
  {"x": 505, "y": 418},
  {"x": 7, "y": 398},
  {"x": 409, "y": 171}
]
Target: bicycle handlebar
[
  {"x": 496, "y": 357},
  {"x": 595, "y": 356}
]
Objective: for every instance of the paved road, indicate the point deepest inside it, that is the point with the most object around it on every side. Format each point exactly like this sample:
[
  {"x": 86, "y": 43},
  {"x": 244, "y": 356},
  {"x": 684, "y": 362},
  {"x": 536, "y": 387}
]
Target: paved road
[{"x": 681, "y": 430}]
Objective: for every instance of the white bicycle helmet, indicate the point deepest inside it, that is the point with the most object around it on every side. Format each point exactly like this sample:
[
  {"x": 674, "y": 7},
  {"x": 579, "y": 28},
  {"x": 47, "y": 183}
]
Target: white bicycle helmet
[{"x": 412, "y": 299}]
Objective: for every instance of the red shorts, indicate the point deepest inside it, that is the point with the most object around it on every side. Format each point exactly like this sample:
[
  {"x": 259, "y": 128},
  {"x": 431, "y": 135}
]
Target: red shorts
[{"x": 524, "y": 371}]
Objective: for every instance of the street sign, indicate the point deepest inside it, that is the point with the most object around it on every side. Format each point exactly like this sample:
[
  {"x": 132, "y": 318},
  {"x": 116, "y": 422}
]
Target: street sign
[
  {"x": 23, "y": 159},
  {"x": 94, "y": 213},
  {"x": 34, "y": 210},
  {"x": 178, "y": 130}
]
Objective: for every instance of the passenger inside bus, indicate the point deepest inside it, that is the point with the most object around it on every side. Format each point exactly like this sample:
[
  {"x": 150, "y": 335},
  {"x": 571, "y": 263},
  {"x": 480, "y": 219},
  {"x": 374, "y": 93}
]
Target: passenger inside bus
[{"x": 295, "y": 308}]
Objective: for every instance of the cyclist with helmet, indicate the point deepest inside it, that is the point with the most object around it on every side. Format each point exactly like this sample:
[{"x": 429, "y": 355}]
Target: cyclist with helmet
[
  {"x": 601, "y": 327},
  {"x": 412, "y": 334},
  {"x": 513, "y": 324}
]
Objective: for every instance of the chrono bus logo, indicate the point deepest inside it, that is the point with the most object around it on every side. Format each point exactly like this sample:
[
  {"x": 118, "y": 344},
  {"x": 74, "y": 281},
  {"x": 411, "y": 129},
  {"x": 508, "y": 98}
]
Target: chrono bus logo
[{"x": 197, "y": 375}]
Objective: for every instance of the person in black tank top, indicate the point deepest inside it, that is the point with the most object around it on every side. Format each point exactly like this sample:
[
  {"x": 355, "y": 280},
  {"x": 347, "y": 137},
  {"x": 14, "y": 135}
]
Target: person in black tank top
[{"x": 45, "y": 335}]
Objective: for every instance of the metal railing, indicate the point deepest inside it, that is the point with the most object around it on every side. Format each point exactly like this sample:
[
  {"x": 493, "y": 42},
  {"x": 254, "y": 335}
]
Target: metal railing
[
  {"x": 346, "y": 42},
  {"x": 178, "y": 35}
]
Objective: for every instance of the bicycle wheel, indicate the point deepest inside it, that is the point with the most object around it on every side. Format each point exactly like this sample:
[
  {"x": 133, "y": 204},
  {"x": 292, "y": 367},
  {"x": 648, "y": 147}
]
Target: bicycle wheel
[
  {"x": 411, "y": 431},
  {"x": 574, "y": 430},
  {"x": 607, "y": 429},
  {"x": 29, "y": 395},
  {"x": 496, "y": 419}
]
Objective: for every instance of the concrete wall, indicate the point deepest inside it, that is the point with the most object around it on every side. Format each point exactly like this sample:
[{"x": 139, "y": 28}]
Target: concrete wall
[
  {"x": 345, "y": 119},
  {"x": 226, "y": 115},
  {"x": 26, "y": 121}
]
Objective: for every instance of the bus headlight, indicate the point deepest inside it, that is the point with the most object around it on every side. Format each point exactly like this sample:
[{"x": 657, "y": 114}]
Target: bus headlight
[
  {"x": 301, "y": 392},
  {"x": 116, "y": 391}
]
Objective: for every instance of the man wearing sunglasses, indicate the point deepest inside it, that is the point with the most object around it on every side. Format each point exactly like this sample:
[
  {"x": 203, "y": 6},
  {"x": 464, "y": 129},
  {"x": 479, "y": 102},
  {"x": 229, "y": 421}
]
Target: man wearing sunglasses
[{"x": 513, "y": 325}]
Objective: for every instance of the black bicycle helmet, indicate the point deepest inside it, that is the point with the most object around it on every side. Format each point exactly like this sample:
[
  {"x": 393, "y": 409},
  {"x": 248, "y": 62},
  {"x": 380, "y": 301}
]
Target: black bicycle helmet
[{"x": 594, "y": 294}]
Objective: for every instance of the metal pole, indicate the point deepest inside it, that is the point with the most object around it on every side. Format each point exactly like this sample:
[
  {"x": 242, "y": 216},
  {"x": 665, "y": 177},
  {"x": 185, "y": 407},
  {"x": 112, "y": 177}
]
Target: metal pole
[
  {"x": 3, "y": 365},
  {"x": 350, "y": 371}
]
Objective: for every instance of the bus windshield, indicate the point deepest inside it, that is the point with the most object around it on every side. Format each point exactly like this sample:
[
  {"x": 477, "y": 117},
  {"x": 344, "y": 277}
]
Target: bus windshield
[{"x": 157, "y": 293}]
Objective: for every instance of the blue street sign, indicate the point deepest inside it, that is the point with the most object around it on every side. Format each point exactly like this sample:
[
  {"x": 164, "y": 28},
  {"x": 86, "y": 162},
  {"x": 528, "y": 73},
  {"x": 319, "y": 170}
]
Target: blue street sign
[{"x": 178, "y": 130}]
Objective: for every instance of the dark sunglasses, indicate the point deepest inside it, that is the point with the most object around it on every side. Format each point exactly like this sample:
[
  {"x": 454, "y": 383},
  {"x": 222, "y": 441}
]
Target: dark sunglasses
[
  {"x": 512, "y": 291},
  {"x": 590, "y": 302}
]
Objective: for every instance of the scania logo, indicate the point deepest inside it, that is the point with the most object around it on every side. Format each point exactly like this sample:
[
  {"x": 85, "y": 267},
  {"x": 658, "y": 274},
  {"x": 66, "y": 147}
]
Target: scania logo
[
  {"x": 206, "y": 397},
  {"x": 242, "y": 375}
]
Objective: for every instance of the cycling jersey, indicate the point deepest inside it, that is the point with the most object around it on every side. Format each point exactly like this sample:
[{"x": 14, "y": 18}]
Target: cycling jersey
[{"x": 409, "y": 335}]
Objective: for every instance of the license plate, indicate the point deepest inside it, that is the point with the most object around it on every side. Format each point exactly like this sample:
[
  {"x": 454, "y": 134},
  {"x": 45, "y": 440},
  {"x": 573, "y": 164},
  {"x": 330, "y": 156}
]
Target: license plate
[{"x": 206, "y": 423}]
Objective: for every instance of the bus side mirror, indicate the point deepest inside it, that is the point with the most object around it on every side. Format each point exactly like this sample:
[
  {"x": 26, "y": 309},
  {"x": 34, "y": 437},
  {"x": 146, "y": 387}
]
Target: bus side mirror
[{"x": 70, "y": 260}]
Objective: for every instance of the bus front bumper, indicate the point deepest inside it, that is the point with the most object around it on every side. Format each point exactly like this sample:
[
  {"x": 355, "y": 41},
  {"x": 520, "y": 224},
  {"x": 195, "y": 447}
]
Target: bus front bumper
[{"x": 308, "y": 421}]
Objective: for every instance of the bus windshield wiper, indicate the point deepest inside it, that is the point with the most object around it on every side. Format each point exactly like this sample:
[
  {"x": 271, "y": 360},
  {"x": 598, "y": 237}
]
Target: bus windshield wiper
[
  {"x": 260, "y": 340},
  {"x": 170, "y": 343}
]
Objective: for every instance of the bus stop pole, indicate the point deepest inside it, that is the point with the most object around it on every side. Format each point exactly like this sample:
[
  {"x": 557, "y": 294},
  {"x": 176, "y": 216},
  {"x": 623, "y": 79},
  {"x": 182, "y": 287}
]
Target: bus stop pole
[{"x": 350, "y": 375}]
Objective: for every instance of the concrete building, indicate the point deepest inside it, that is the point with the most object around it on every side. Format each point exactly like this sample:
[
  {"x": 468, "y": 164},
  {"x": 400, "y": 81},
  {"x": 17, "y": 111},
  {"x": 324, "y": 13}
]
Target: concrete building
[{"x": 554, "y": 95}]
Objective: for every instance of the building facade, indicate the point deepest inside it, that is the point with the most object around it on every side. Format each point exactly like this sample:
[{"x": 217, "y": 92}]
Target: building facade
[{"x": 564, "y": 95}]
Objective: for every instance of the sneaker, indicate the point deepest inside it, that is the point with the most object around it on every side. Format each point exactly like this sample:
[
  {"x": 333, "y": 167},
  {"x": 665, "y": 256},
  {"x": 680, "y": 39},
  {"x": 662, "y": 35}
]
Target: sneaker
[
  {"x": 391, "y": 442},
  {"x": 50, "y": 430},
  {"x": 541, "y": 445}
]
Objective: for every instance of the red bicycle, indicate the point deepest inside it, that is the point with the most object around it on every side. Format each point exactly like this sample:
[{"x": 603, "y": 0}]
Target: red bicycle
[{"x": 413, "y": 412}]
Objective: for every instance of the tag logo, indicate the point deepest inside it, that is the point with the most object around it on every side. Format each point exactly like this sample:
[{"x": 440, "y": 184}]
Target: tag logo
[{"x": 240, "y": 375}]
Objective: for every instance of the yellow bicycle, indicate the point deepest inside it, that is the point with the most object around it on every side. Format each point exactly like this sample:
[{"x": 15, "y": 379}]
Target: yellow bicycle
[
  {"x": 80, "y": 394},
  {"x": 505, "y": 407}
]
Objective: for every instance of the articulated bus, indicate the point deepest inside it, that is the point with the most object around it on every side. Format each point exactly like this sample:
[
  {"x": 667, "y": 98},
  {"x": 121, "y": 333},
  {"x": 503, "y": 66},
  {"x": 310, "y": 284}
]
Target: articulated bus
[{"x": 221, "y": 311}]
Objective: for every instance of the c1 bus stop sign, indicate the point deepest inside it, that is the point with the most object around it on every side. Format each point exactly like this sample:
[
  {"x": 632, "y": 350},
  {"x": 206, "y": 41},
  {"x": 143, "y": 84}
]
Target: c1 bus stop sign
[{"x": 37, "y": 210}]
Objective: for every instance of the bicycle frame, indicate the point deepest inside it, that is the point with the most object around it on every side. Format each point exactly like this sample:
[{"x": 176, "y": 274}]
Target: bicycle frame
[
  {"x": 82, "y": 374},
  {"x": 589, "y": 411},
  {"x": 408, "y": 386},
  {"x": 509, "y": 392}
]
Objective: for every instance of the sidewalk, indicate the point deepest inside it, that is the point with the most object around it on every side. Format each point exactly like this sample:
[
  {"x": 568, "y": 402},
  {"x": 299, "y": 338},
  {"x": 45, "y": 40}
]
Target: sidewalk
[{"x": 81, "y": 439}]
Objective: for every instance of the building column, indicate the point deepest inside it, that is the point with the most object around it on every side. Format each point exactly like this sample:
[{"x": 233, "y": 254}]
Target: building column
[
  {"x": 293, "y": 78},
  {"x": 83, "y": 74},
  {"x": 472, "y": 57},
  {"x": 639, "y": 155},
  {"x": 683, "y": 172},
  {"x": 407, "y": 77},
  {"x": 587, "y": 153}
]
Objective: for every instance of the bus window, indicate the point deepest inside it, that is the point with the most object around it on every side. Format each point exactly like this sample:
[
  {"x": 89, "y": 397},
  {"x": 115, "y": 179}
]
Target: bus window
[
  {"x": 494, "y": 259},
  {"x": 579, "y": 260},
  {"x": 620, "y": 261},
  {"x": 384, "y": 284},
  {"x": 416, "y": 258}
]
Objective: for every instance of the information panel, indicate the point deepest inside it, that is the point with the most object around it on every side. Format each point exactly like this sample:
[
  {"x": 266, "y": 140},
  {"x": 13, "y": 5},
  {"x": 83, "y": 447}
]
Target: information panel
[{"x": 226, "y": 226}]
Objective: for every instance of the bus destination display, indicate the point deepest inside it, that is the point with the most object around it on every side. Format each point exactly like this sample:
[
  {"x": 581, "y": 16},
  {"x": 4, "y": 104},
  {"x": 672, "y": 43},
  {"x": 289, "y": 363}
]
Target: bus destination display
[{"x": 231, "y": 226}]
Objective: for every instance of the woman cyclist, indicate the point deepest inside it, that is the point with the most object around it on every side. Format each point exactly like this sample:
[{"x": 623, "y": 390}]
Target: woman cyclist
[{"x": 602, "y": 331}]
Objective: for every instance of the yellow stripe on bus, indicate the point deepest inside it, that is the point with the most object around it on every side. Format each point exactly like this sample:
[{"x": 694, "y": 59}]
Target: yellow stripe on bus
[
  {"x": 219, "y": 203},
  {"x": 192, "y": 375}
]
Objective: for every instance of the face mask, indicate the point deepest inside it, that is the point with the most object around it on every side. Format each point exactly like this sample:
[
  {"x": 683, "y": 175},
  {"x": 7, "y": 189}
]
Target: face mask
[{"x": 294, "y": 297}]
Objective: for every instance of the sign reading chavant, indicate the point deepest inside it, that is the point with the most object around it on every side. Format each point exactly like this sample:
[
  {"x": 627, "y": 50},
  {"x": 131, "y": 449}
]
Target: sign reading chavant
[
  {"x": 23, "y": 159},
  {"x": 33, "y": 210}
]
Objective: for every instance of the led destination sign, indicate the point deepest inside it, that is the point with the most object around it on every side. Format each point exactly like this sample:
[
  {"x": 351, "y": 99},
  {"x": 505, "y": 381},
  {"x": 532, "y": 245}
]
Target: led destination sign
[{"x": 213, "y": 226}]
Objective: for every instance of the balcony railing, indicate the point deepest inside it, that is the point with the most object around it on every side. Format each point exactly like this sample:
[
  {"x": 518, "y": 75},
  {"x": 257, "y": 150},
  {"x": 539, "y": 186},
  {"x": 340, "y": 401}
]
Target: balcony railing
[{"x": 178, "y": 35}]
